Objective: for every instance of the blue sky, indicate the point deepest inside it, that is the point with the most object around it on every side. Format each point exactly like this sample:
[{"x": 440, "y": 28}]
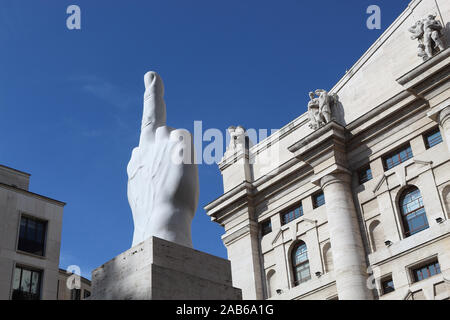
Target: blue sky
[{"x": 71, "y": 100}]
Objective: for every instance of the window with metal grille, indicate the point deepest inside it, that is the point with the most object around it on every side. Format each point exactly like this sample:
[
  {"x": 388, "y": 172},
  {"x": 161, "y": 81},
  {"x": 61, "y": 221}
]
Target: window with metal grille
[
  {"x": 318, "y": 200},
  {"x": 413, "y": 212},
  {"x": 426, "y": 271},
  {"x": 266, "y": 227},
  {"x": 387, "y": 285},
  {"x": 292, "y": 214},
  {"x": 300, "y": 264},
  {"x": 364, "y": 174},
  {"x": 26, "y": 284},
  {"x": 32, "y": 235},
  {"x": 397, "y": 157},
  {"x": 432, "y": 138}
]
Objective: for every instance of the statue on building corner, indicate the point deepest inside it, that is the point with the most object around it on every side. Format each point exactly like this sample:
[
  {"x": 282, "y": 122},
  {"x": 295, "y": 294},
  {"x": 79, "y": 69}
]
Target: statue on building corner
[
  {"x": 237, "y": 140},
  {"x": 320, "y": 108},
  {"x": 429, "y": 33}
]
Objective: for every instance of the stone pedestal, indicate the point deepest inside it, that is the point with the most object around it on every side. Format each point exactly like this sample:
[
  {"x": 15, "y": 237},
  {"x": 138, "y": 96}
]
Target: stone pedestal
[{"x": 157, "y": 269}]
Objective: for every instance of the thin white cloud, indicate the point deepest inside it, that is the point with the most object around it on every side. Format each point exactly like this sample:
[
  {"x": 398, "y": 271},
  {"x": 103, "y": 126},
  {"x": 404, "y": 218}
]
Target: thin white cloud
[{"x": 106, "y": 91}]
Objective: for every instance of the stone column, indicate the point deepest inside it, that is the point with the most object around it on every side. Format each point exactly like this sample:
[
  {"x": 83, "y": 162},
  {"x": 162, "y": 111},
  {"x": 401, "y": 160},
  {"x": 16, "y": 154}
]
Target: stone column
[
  {"x": 346, "y": 242},
  {"x": 244, "y": 253},
  {"x": 325, "y": 151},
  {"x": 444, "y": 122}
]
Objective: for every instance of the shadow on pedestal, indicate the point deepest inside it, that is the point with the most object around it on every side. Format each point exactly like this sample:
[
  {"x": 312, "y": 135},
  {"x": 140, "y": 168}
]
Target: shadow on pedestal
[{"x": 157, "y": 269}]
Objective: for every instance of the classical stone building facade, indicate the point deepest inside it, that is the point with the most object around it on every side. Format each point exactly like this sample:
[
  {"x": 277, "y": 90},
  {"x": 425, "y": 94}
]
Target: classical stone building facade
[
  {"x": 352, "y": 199},
  {"x": 30, "y": 239},
  {"x": 71, "y": 288}
]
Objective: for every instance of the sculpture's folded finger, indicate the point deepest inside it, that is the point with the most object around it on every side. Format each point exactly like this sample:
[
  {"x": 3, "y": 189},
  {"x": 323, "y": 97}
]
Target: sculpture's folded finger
[{"x": 154, "y": 113}]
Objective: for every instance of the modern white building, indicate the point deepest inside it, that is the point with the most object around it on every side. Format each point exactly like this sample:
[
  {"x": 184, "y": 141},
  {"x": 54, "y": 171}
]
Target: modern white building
[
  {"x": 30, "y": 239},
  {"x": 356, "y": 207}
]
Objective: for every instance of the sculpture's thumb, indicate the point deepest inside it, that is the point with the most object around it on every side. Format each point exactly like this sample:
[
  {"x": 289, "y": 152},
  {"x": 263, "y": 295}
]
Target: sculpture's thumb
[{"x": 154, "y": 114}]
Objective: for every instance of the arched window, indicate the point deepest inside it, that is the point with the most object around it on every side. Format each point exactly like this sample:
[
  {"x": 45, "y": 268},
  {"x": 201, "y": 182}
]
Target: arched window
[
  {"x": 412, "y": 210},
  {"x": 300, "y": 263}
]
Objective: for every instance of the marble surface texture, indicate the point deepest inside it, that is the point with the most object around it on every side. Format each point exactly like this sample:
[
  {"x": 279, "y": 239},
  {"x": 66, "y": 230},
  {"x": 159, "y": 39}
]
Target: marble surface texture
[{"x": 163, "y": 186}]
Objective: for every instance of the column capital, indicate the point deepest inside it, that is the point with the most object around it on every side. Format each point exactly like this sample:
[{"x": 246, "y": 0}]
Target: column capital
[
  {"x": 333, "y": 172},
  {"x": 324, "y": 149},
  {"x": 444, "y": 116},
  {"x": 436, "y": 110},
  {"x": 336, "y": 177}
]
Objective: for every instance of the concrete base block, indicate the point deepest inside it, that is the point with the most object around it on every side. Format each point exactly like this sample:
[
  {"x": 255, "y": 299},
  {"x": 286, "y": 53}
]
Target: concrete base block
[{"x": 157, "y": 269}]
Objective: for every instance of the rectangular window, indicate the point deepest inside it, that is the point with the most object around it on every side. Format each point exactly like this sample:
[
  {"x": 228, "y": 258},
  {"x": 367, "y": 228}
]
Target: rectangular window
[
  {"x": 432, "y": 138},
  {"x": 364, "y": 175},
  {"x": 26, "y": 284},
  {"x": 426, "y": 271},
  {"x": 32, "y": 235},
  {"x": 266, "y": 227},
  {"x": 86, "y": 294},
  {"x": 318, "y": 200},
  {"x": 75, "y": 294},
  {"x": 387, "y": 285},
  {"x": 292, "y": 214},
  {"x": 397, "y": 157}
]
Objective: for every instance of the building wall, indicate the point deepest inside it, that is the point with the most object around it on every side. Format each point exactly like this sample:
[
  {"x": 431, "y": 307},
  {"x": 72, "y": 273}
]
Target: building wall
[
  {"x": 390, "y": 97},
  {"x": 15, "y": 202},
  {"x": 67, "y": 282}
]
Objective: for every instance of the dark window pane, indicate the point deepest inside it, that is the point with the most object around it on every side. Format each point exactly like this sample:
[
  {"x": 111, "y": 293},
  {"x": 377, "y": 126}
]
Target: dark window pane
[
  {"x": 301, "y": 264},
  {"x": 266, "y": 227},
  {"x": 318, "y": 200},
  {"x": 86, "y": 294},
  {"x": 75, "y": 294},
  {"x": 397, "y": 157},
  {"x": 26, "y": 285},
  {"x": 297, "y": 213},
  {"x": 39, "y": 232},
  {"x": 32, "y": 236},
  {"x": 413, "y": 213},
  {"x": 433, "y": 138},
  {"x": 23, "y": 228},
  {"x": 387, "y": 286},
  {"x": 426, "y": 271},
  {"x": 365, "y": 175},
  {"x": 291, "y": 215},
  {"x": 31, "y": 230}
]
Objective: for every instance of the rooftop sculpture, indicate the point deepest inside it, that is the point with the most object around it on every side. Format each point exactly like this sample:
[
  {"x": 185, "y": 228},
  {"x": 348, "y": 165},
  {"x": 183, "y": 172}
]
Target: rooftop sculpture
[
  {"x": 320, "y": 108},
  {"x": 429, "y": 33}
]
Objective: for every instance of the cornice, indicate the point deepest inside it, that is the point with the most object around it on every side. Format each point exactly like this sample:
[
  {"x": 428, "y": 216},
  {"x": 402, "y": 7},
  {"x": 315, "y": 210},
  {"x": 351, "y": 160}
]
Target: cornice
[
  {"x": 426, "y": 69},
  {"x": 8, "y": 169},
  {"x": 34, "y": 195},
  {"x": 331, "y": 130}
]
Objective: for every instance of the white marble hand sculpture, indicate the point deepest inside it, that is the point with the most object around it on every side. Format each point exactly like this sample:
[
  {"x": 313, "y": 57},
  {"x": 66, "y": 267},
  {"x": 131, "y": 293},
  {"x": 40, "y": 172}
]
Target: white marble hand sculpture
[{"x": 163, "y": 185}]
